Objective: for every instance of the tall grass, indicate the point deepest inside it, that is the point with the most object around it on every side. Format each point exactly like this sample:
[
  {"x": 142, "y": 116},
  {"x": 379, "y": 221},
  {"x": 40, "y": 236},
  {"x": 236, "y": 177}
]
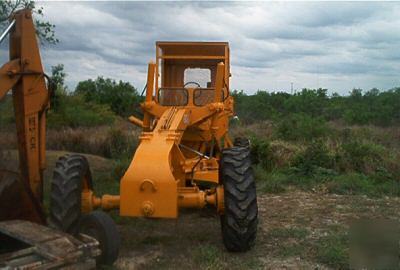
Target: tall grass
[
  {"x": 344, "y": 160},
  {"x": 334, "y": 157}
]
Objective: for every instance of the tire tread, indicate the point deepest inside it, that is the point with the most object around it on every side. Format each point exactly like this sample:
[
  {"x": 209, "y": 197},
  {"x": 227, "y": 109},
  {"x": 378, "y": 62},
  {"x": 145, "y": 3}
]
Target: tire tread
[
  {"x": 66, "y": 189},
  {"x": 239, "y": 222}
]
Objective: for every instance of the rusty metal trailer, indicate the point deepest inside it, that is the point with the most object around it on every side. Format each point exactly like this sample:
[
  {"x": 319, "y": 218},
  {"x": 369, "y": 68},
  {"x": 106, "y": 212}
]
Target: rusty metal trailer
[{"x": 27, "y": 245}]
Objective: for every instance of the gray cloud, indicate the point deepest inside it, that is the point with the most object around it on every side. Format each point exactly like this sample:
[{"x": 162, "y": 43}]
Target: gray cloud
[{"x": 314, "y": 44}]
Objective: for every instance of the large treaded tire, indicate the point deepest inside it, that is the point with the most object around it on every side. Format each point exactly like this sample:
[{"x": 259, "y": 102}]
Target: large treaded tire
[
  {"x": 240, "y": 218},
  {"x": 100, "y": 226},
  {"x": 241, "y": 142},
  {"x": 70, "y": 173}
]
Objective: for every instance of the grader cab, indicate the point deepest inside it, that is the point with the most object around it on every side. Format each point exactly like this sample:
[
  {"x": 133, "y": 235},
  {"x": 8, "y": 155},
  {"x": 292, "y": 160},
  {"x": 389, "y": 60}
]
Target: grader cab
[{"x": 185, "y": 158}]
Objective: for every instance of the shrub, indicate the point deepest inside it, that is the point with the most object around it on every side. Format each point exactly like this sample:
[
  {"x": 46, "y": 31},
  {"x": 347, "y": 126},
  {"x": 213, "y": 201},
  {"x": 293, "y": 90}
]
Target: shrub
[
  {"x": 119, "y": 144},
  {"x": 59, "y": 95},
  {"x": 309, "y": 101},
  {"x": 68, "y": 140},
  {"x": 312, "y": 159},
  {"x": 120, "y": 166},
  {"x": 302, "y": 127},
  {"x": 273, "y": 155},
  {"x": 6, "y": 111},
  {"x": 110, "y": 142},
  {"x": 75, "y": 112},
  {"x": 261, "y": 153},
  {"x": 120, "y": 147},
  {"x": 371, "y": 107},
  {"x": 121, "y": 97},
  {"x": 363, "y": 157}
]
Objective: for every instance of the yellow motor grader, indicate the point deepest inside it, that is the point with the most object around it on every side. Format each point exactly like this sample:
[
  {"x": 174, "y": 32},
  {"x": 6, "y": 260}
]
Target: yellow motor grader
[{"x": 185, "y": 158}]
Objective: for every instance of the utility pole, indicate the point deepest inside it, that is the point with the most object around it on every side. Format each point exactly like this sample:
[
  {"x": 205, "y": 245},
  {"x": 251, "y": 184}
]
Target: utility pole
[{"x": 291, "y": 88}]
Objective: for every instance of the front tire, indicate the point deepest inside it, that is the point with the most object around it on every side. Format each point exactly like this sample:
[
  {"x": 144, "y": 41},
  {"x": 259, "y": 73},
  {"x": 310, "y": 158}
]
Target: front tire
[
  {"x": 240, "y": 219},
  {"x": 241, "y": 142}
]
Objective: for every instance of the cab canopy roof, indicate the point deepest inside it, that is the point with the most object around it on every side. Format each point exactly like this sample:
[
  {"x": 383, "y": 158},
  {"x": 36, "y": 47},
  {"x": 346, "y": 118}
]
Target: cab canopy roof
[
  {"x": 192, "y": 50},
  {"x": 173, "y": 58}
]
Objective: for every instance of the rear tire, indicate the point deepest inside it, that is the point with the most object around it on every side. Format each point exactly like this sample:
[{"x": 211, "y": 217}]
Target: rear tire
[
  {"x": 70, "y": 173},
  {"x": 100, "y": 226},
  {"x": 240, "y": 218}
]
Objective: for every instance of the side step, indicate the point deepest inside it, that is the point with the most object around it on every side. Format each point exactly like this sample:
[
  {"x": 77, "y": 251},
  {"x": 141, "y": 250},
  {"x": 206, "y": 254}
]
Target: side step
[{"x": 27, "y": 245}]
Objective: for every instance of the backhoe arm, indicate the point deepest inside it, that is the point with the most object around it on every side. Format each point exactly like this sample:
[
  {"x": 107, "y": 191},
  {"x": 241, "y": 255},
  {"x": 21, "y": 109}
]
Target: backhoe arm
[
  {"x": 24, "y": 74},
  {"x": 6, "y": 78}
]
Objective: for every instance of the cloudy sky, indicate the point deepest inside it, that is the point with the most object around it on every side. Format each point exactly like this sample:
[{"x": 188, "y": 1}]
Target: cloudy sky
[{"x": 334, "y": 45}]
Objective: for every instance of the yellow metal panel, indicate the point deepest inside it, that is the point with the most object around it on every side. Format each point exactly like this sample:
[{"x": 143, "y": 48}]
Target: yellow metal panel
[
  {"x": 175, "y": 142},
  {"x": 149, "y": 188}
]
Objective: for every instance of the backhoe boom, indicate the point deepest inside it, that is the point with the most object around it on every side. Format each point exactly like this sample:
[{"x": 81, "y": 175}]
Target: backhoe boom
[{"x": 24, "y": 74}]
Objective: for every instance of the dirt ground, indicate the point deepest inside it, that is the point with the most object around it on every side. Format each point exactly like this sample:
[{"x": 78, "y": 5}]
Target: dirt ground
[
  {"x": 292, "y": 230},
  {"x": 297, "y": 230}
]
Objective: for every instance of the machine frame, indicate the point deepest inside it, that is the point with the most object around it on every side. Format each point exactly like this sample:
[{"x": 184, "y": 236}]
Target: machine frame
[
  {"x": 185, "y": 140},
  {"x": 185, "y": 158}
]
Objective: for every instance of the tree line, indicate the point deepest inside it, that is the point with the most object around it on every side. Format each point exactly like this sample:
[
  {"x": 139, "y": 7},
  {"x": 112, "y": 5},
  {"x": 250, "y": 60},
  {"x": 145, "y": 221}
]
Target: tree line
[
  {"x": 372, "y": 107},
  {"x": 99, "y": 101}
]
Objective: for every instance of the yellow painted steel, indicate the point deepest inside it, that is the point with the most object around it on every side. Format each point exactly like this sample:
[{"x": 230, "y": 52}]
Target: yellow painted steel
[
  {"x": 25, "y": 75},
  {"x": 91, "y": 202},
  {"x": 180, "y": 144},
  {"x": 152, "y": 176},
  {"x": 136, "y": 121},
  {"x": 184, "y": 130}
]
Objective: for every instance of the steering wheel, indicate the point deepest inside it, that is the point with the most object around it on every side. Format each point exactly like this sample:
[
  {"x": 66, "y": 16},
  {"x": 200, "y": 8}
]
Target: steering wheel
[{"x": 196, "y": 83}]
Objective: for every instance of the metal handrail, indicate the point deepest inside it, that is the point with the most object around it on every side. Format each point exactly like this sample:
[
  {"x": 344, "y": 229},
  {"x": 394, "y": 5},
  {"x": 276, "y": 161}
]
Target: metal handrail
[{"x": 7, "y": 30}]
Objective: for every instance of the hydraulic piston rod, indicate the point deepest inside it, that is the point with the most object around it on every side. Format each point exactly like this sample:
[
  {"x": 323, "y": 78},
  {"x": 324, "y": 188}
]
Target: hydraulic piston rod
[{"x": 7, "y": 30}]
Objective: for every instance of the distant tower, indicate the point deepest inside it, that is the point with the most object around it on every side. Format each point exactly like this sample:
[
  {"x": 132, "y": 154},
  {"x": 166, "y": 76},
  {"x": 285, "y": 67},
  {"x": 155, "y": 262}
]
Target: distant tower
[{"x": 291, "y": 88}]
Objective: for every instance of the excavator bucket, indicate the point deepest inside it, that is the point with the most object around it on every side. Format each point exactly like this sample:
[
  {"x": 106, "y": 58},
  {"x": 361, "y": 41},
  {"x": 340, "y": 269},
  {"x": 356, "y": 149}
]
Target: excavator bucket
[{"x": 19, "y": 199}]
